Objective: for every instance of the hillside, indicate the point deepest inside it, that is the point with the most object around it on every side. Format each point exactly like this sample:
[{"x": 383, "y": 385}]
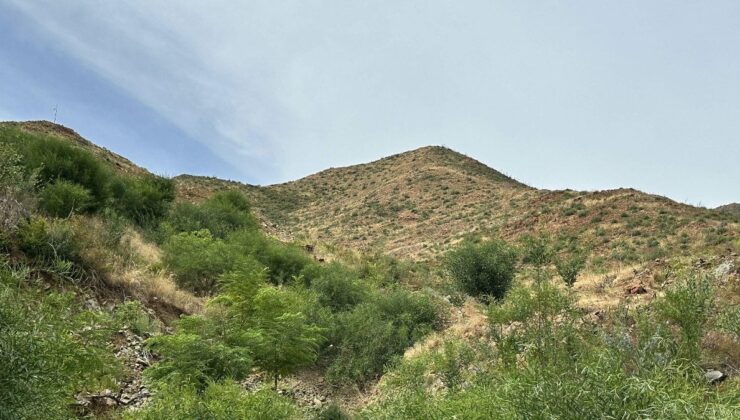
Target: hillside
[
  {"x": 419, "y": 203},
  {"x": 128, "y": 295}
]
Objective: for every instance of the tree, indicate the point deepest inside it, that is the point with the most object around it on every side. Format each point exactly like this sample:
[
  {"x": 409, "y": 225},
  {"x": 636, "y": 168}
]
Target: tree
[
  {"x": 570, "y": 267},
  {"x": 283, "y": 339},
  {"x": 483, "y": 270}
]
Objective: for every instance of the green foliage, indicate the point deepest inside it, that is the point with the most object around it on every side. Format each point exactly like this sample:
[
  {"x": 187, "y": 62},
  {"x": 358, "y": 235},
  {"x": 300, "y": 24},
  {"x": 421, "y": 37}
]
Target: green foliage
[
  {"x": 554, "y": 366},
  {"x": 687, "y": 304},
  {"x": 132, "y": 315},
  {"x": 338, "y": 287},
  {"x": 537, "y": 250},
  {"x": 570, "y": 267},
  {"x": 65, "y": 168},
  {"x": 57, "y": 160},
  {"x": 484, "y": 270},
  {"x": 195, "y": 360},
  {"x": 50, "y": 349},
  {"x": 283, "y": 340},
  {"x": 374, "y": 333},
  {"x": 285, "y": 262},
  {"x": 143, "y": 199},
  {"x": 48, "y": 241},
  {"x": 63, "y": 198},
  {"x": 198, "y": 259},
  {"x": 219, "y": 401},
  {"x": 222, "y": 214}
]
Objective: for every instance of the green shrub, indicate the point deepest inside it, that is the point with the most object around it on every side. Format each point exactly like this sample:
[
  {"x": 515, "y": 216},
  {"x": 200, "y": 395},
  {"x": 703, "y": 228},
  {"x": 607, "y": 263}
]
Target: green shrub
[
  {"x": 56, "y": 160},
  {"x": 132, "y": 315},
  {"x": 484, "y": 270},
  {"x": 219, "y": 401},
  {"x": 375, "y": 333},
  {"x": 284, "y": 261},
  {"x": 282, "y": 338},
  {"x": 687, "y": 304},
  {"x": 196, "y": 360},
  {"x": 197, "y": 260},
  {"x": 222, "y": 214},
  {"x": 570, "y": 267},
  {"x": 63, "y": 198},
  {"x": 50, "y": 349},
  {"x": 144, "y": 199},
  {"x": 338, "y": 288},
  {"x": 49, "y": 241}
]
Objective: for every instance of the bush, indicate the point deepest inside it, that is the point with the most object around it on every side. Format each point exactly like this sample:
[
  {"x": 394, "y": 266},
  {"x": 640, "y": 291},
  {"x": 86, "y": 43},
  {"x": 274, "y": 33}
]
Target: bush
[
  {"x": 285, "y": 262},
  {"x": 197, "y": 260},
  {"x": 144, "y": 199},
  {"x": 49, "y": 241},
  {"x": 338, "y": 288},
  {"x": 687, "y": 305},
  {"x": 50, "y": 349},
  {"x": 568, "y": 268},
  {"x": 484, "y": 270},
  {"x": 64, "y": 198},
  {"x": 283, "y": 339},
  {"x": 222, "y": 214},
  {"x": 377, "y": 332},
  {"x": 219, "y": 401},
  {"x": 56, "y": 160}
]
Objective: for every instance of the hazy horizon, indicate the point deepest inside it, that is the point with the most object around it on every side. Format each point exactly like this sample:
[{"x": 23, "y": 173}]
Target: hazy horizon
[{"x": 571, "y": 95}]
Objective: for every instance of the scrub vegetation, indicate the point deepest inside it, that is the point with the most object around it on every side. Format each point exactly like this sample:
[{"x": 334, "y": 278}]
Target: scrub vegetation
[{"x": 124, "y": 294}]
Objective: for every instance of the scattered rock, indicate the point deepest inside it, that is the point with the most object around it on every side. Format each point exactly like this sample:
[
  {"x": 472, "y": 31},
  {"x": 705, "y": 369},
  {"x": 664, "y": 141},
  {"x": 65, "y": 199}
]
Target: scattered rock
[{"x": 715, "y": 376}]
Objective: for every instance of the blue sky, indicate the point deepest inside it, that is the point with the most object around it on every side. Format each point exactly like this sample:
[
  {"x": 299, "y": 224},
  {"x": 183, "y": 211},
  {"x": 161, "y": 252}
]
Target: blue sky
[{"x": 558, "y": 94}]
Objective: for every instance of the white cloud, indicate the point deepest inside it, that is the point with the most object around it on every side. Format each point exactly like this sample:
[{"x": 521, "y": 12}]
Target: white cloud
[{"x": 297, "y": 86}]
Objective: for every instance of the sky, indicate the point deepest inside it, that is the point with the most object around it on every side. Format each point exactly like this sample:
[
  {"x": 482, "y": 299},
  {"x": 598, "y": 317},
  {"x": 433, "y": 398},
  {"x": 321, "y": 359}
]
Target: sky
[{"x": 585, "y": 95}]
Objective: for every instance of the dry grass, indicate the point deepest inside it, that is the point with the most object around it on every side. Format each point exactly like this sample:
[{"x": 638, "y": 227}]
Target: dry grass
[{"x": 128, "y": 270}]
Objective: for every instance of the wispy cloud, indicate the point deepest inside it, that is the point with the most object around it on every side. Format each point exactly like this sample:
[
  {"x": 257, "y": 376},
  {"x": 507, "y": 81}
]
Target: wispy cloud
[{"x": 547, "y": 93}]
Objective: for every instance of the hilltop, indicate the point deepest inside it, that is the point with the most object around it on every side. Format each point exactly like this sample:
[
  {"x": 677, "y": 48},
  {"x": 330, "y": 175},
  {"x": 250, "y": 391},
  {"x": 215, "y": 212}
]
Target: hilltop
[{"x": 419, "y": 203}]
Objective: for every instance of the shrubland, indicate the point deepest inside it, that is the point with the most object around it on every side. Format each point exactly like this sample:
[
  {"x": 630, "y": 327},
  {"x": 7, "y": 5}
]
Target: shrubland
[{"x": 88, "y": 251}]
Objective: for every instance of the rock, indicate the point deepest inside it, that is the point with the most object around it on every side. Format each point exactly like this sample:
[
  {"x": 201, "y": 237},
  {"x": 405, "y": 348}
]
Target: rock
[
  {"x": 637, "y": 289},
  {"x": 723, "y": 270},
  {"x": 714, "y": 376}
]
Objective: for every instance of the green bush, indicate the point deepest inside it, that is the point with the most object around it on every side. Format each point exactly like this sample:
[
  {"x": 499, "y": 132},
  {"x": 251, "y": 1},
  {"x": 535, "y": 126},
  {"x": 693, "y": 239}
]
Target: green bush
[
  {"x": 570, "y": 267},
  {"x": 49, "y": 241},
  {"x": 687, "y": 305},
  {"x": 338, "y": 287},
  {"x": 484, "y": 270},
  {"x": 197, "y": 260},
  {"x": 144, "y": 199},
  {"x": 64, "y": 198},
  {"x": 219, "y": 401},
  {"x": 375, "y": 333},
  {"x": 284, "y": 261},
  {"x": 57, "y": 160},
  {"x": 222, "y": 214},
  {"x": 50, "y": 349},
  {"x": 283, "y": 339}
]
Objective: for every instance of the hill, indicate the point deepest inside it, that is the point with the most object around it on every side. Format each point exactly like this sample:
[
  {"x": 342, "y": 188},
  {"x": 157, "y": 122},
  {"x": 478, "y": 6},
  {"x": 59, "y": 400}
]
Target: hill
[{"x": 419, "y": 203}]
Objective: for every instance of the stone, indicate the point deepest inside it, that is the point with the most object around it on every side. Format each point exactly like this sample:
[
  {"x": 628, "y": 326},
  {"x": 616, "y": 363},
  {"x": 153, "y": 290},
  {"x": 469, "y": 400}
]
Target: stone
[
  {"x": 637, "y": 289},
  {"x": 724, "y": 269},
  {"x": 714, "y": 376}
]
